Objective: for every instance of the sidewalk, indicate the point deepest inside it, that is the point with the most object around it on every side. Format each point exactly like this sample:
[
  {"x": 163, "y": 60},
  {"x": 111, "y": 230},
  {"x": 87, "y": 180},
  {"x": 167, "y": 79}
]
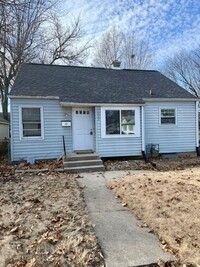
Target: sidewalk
[{"x": 123, "y": 243}]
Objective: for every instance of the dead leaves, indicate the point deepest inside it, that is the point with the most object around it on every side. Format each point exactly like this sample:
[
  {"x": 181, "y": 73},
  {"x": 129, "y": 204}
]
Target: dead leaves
[
  {"x": 11, "y": 171},
  {"x": 169, "y": 203},
  {"x": 175, "y": 263},
  {"x": 127, "y": 165},
  {"x": 142, "y": 225},
  {"x": 17, "y": 231},
  {"x": 45, "y": 223},
  {"x": 14, "y": 230},
  {"x": 168, "y": 248},
  {"x": 31, "y": 263},
  {"x": 7, "y": 170},
  {"x": 161, "y": 164}
]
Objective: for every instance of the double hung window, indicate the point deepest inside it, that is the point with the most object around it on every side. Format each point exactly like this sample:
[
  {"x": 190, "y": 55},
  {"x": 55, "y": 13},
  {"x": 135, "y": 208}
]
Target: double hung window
[
  {"x": 168, "y": 116},
  {"x": 31, "y": 122}
]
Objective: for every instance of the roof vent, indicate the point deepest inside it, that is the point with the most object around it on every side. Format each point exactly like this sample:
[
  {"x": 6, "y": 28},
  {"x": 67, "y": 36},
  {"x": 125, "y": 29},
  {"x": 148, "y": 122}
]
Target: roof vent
[{"x": 116, "y": 64}]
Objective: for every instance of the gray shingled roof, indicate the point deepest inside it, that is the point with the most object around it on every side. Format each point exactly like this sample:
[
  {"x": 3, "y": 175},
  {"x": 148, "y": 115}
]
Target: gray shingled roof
[{"x": 94, "y": 85}]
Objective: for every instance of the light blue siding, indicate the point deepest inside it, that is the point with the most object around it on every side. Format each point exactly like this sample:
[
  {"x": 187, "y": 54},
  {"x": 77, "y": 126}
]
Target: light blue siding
[
  {"x": 115, "y": 147},
  {"x": 171, "y": 138},
  {"x": 52, "y": 145}
]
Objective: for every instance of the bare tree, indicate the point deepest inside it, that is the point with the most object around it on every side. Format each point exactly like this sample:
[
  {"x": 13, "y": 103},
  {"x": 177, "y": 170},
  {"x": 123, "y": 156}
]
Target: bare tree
[
  {"x": 23, "y": 24},
  {"x": 116, "y": 45},
  {"x": 109, "y": 48},
  {"x": 136, "y": 53},
  {"x": 63, "y": 43},
  {"x": 184, "y": 68},
  {"x": 19, "y": 30}
]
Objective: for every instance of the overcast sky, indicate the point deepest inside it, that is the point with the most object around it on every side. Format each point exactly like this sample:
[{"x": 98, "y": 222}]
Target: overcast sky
[{"x": 168, "y": 25}]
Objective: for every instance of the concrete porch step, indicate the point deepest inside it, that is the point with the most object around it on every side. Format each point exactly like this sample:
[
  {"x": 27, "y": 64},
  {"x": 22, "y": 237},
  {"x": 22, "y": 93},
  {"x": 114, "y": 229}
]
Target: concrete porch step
[
  {"x": 81, "y": 157},
  {"x": 81, "y": 163},
  {"x": 88, "y": 162},
  {"x": 95, "y": 168}
]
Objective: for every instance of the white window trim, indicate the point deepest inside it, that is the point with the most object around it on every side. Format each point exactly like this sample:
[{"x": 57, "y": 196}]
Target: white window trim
[
  {"x": 103, "y": 122},
  {"x": 168, "y": 124},
  {"x": 21, "y": 127}
]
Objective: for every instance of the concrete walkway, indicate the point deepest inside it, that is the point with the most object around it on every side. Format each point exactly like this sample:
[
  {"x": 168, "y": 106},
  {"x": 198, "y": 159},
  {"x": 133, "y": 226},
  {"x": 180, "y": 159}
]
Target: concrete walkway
[{"x": 123, "y": 243}]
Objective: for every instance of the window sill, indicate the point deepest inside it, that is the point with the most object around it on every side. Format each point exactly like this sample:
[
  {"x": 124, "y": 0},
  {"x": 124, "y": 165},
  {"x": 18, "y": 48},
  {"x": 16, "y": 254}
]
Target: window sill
[
  {"x": 168, "y": 125},
  {"x": 31, "y": 138},
  {"x": 120, "y": 136}
]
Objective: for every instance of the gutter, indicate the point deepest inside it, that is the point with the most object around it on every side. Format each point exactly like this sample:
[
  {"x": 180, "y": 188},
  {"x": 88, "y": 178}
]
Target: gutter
[
  {"x": 169, "y": 99},
  {"x": 73, "y": 104},
  {"x": 32, "y": 97}
]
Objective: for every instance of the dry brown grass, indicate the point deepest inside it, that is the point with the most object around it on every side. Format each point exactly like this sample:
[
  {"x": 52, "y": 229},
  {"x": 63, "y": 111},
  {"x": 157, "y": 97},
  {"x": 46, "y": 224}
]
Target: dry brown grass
[
  {"x": 161, "y": 164},
  {"x": 169, "y": 203},
  {"x": 43, "y": 222}
]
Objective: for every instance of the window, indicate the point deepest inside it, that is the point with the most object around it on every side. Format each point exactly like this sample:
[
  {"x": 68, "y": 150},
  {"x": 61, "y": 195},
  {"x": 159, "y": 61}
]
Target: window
[
  {"x": 112, "y": 122},
  {"x": 82, "y": 112},
  {"x": 31, "y": 122},
  {"x": 120, "y": 122},
  {"x": 168, "y": 116},
  {"x": 127, "y": 121}
]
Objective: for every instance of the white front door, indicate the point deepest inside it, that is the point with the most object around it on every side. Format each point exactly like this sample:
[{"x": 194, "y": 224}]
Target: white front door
[{"x": 83, "y": 128}]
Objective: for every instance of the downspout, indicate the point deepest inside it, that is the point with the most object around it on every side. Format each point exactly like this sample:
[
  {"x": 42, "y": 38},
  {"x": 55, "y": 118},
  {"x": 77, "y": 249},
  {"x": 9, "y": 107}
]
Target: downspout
[
  {"x": 143, "y": 133},
  {"x": 143, "y": 138},
  {"x": 197, "y": 128}
]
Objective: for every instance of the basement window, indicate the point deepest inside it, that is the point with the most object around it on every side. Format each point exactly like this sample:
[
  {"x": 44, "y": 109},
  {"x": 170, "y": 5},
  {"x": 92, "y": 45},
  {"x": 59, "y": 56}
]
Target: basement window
[
  {"x": 168, "y": 116},
  {"x": 31, "y": 122}
]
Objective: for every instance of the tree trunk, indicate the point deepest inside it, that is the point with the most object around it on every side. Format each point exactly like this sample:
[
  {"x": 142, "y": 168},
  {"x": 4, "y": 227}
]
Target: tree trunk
[{"x": 4, "y": 104}]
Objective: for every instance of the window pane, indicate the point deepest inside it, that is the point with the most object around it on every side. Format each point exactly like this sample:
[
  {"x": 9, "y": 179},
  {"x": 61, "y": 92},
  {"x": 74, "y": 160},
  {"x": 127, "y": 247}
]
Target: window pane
[
  {"x": 128, "y": 121},
  {"x": 31, "y": 114},
  {"x": 31, "y": 132},
  {"x": 168, "y": 120},
  {"x": 167, "y": 112},
  {"x": 168, "y": 116},
  {"x": 31, "y": 122},
  {"x": 34, "y": 126},
  {"x": 112, "y": 122}
]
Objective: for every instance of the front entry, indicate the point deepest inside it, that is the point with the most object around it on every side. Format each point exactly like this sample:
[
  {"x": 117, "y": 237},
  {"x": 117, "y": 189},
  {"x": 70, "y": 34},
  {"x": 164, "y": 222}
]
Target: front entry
[{"x": 83, "y": 129}]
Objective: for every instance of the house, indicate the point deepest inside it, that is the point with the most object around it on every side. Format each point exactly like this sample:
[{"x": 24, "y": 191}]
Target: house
[
  {"x": 113, "y": 112},
  {"x": 4, "y": 129}
]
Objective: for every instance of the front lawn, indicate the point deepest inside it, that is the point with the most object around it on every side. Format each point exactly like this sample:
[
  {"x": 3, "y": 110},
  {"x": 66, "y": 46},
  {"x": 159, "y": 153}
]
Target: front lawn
[
  {"x": 169, "y": 204},
  {"x": 43, "y": 222}
]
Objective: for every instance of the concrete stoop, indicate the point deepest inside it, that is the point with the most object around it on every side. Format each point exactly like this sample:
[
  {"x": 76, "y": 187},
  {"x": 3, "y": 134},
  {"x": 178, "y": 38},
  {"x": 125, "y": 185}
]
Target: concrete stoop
[{"x": 89, "y": 162}]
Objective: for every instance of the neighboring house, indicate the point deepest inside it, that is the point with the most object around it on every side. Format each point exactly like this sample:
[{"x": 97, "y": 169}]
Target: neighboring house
[
  {"x": 113, "y": 112},
  {"x": 4, "y": 129}
]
